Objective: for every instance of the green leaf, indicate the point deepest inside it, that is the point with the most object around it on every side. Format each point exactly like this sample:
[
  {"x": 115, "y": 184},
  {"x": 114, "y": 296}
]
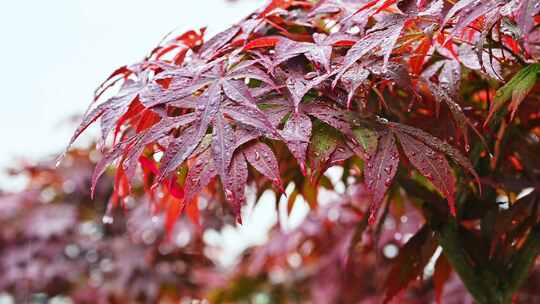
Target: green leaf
[
  {"x": 324, "y": 141},
  {"x": 517, "y": 88},
  {"x": 367, "y": 138}
]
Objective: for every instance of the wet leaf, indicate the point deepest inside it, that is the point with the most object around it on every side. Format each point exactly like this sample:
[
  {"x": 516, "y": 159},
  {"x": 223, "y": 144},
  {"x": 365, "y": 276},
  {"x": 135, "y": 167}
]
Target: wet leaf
[
  {"x": 517, "y": 89},
  {"x": 223, "y": 145},
  {"x": 297, "y": 132},
  {"x": 410, "y": 262},
  {"x": 262, "y": 158},
  {"x": 379, "y": 171},
  {"x": 234, "y": 184},
  {"x": 431, "y": 164}
]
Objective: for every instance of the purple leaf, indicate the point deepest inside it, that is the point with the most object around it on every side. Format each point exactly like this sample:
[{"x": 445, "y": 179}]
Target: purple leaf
[
  {"x": 156, "y": 132},
  {"x": 384, "y": 38},
  {"x": 333, "y": 116},
  {"x": 222, "y": 145},
  {"x": 380, "y": 170},
  {"x": 431, "y": 164},
  {"x": 218, "y": 41},
  {"x": 439, "y": 145},
  {"x": 200, "y": 174},
  {"x": 467, "y": 11},
  {"x": 525, "y": 21},
  {"x": 299, "y": 86},
  {"x": 297, "y": 132},
  {"x": 235, "y": 183},
  {"x": 353, "y": 78},
  {"x": 262, "y": 158},
  {"x": 179, "y": 150}
]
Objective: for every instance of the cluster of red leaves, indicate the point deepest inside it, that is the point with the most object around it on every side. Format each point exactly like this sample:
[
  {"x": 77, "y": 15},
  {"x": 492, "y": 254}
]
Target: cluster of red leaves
[
  {"x": 212, "y": 107},
  {"x": 390, "y": 90}
]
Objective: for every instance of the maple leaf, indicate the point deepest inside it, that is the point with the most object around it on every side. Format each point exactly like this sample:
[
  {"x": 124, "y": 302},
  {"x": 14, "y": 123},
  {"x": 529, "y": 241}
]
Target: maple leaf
[
  {"x": 436, "y": 144},
  {"x": 432, "y": 165},
  {"x": 352, "y": 79},
  {"x": 383, "y": 36},
  {"x": 517, "y": 89},
  {"x": 297, "y": 132},
  {"x": 319, "y": 52},
  {"x": 234, "y": 184},
  {"x": 110, "y": 111},
  {"x": 425, "y": 152},
  {"x": 224, "y": 95},
  {"x": 381, "y": 167},
  {"x": 262, "y": 158},
  {"x": 525, "y": 21},
  {"x": 467, "y": 11},
  {"x": 324, "y": 144},
  {"x": 410, "y": 262}
]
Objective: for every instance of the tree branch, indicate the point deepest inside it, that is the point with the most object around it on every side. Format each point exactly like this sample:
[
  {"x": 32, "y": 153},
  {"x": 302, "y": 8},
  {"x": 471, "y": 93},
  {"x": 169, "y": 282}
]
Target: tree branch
[
  {"x": 523, "y": 261},
  {"x": 448, "y": 238}
]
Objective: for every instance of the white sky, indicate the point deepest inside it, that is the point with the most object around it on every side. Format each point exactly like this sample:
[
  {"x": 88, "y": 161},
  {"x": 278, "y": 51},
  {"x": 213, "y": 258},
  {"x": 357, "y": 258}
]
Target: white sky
[{"x": 54, "y": 54}]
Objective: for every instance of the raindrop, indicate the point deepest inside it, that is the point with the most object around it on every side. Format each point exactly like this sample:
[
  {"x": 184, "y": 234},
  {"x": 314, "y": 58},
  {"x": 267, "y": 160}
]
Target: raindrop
[
  {"x": 229, "y": 195},
  {"x": 59, "y": 160},
  {"x": 310, "y": 75},
  {"x": 149, "y": 236},
  {"x": 106, "y": 265},
  {"x": 294, "y": 260},
  {"x": 390, "y": 251},
  {"x": 107, "y": 219},
  {"x": 72, "y": 251}
]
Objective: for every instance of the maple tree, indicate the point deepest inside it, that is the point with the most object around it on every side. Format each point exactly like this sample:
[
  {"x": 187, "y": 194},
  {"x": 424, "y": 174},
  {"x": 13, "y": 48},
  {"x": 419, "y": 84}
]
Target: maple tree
[{"x": 429, "y": 104}]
